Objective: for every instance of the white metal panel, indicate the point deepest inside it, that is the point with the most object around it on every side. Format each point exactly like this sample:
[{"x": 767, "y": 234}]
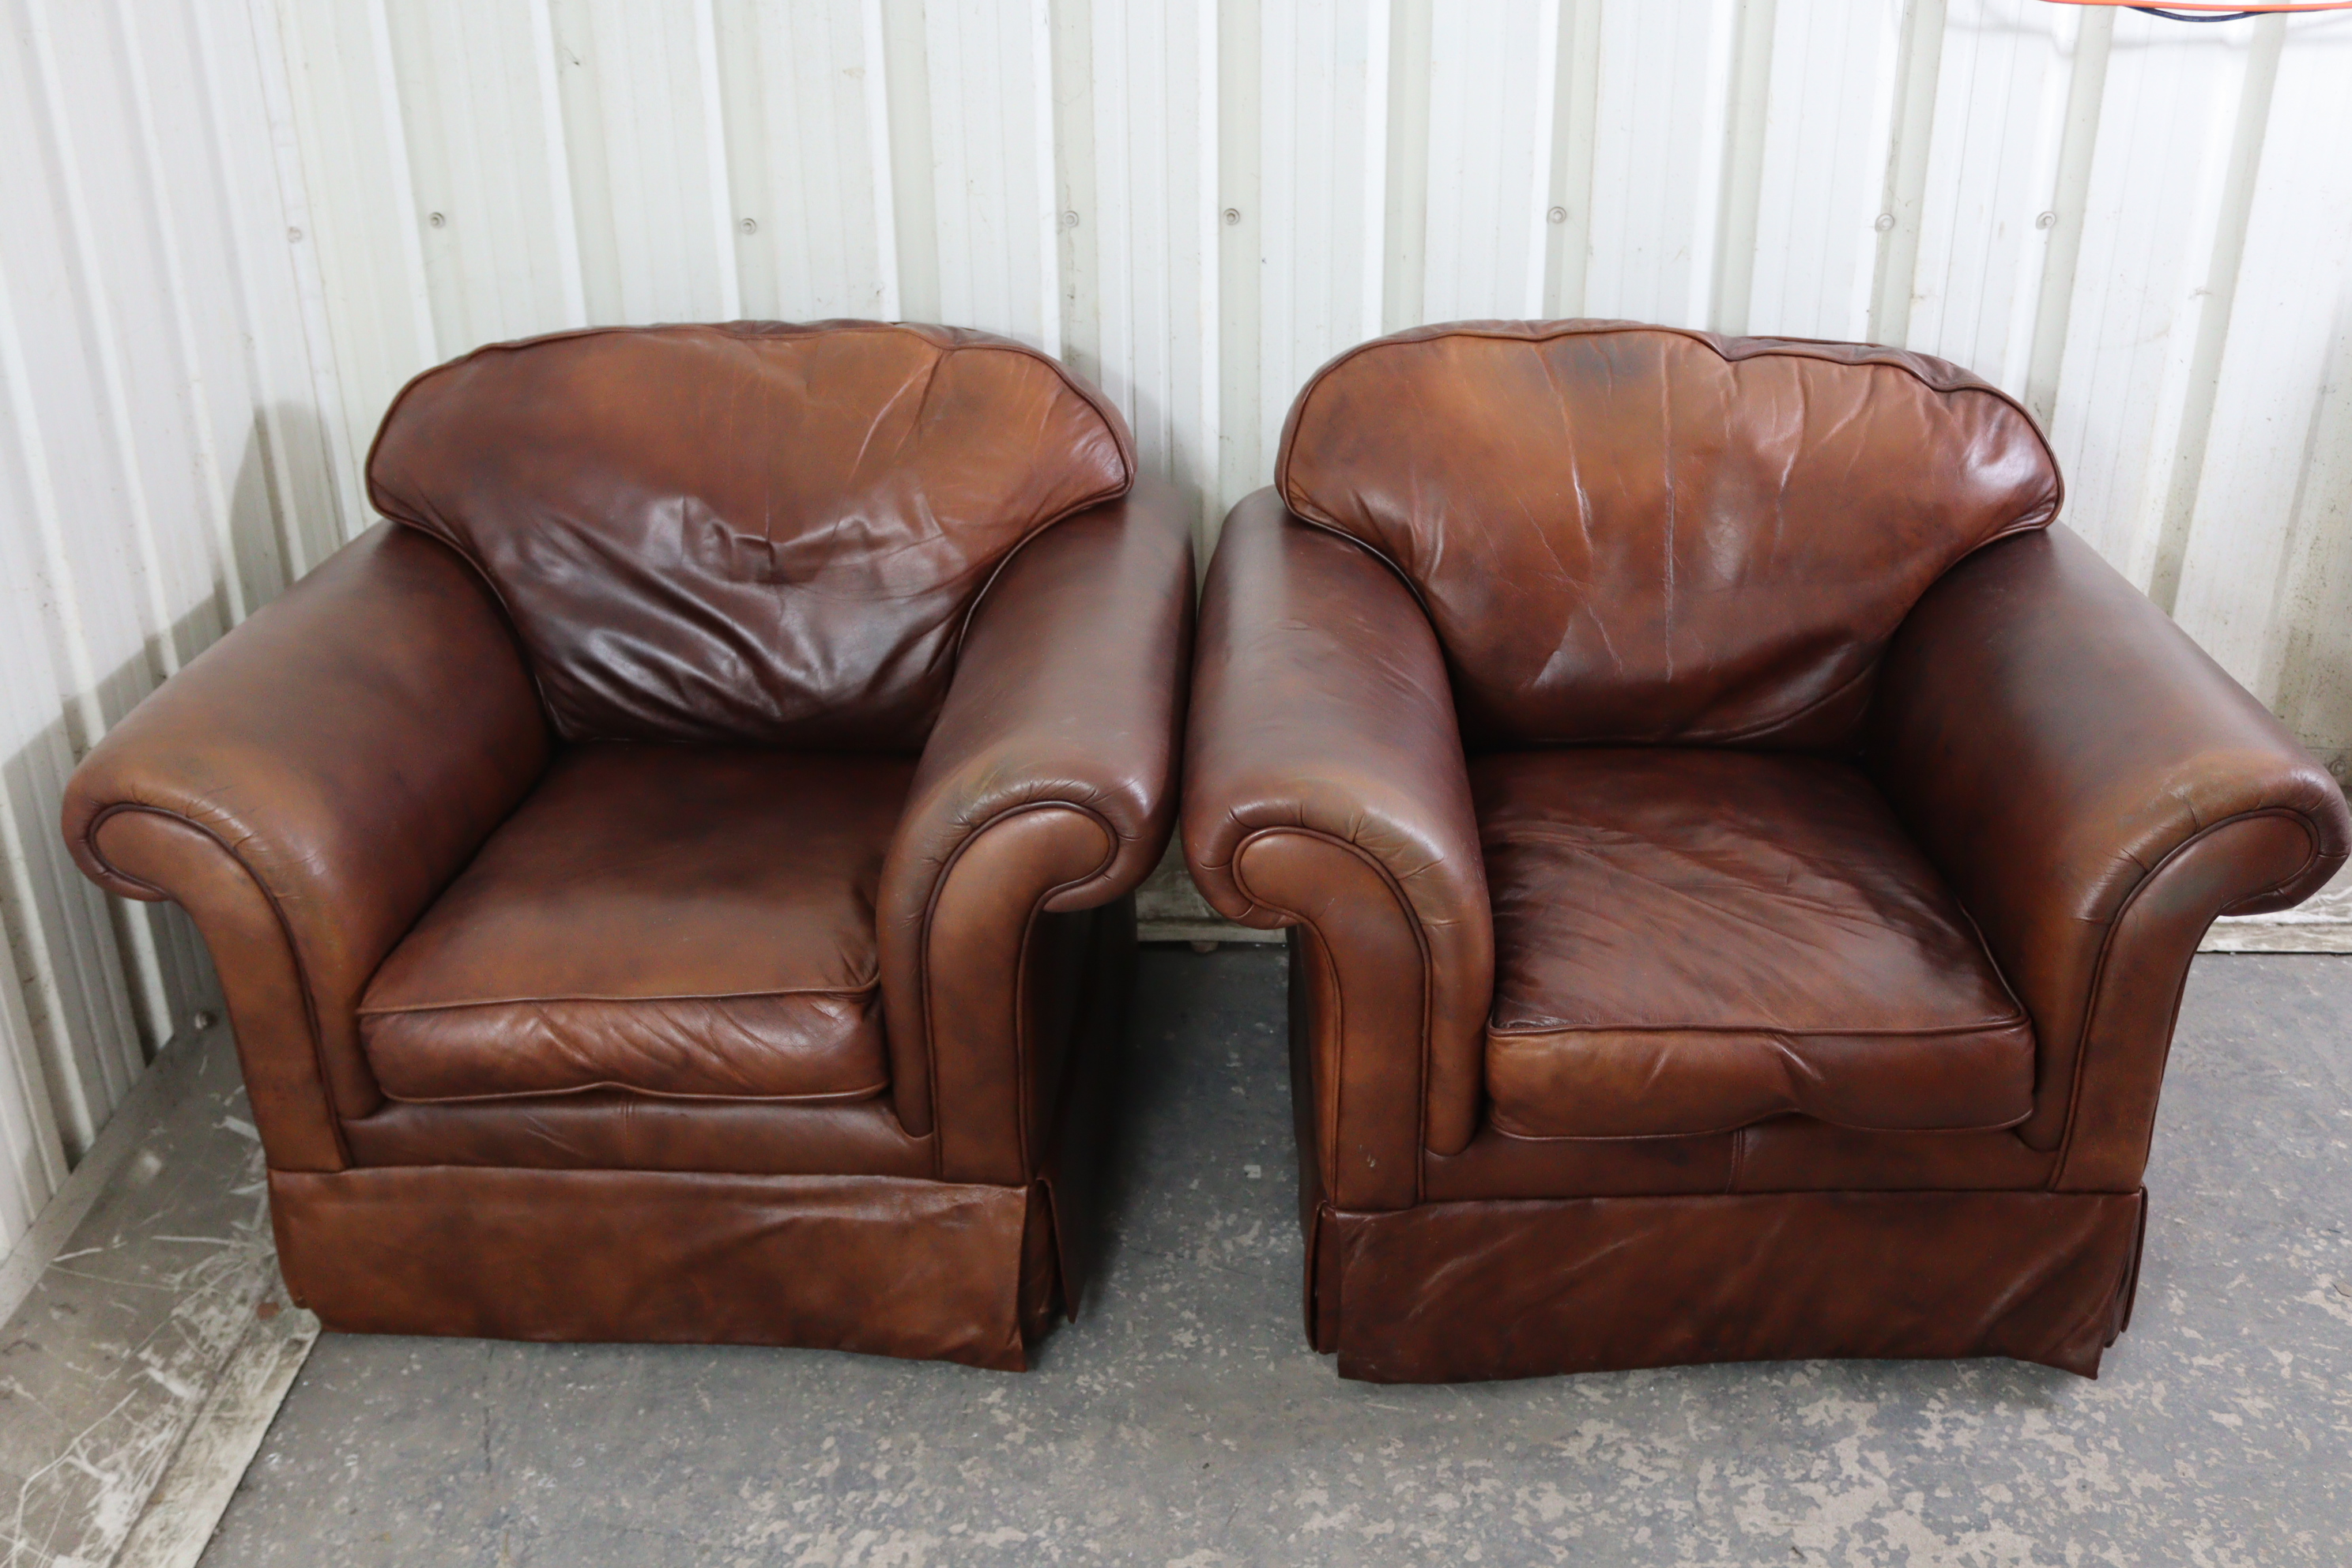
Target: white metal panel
[
  {"x": 1144, "y": 300},
  {"x": 807, "y": 207},
  {"x": 1494, "y": 70},
  {"x": 361, "y": 210},
  {"x": 160, "y": 473},
  {"x": 994, "y": 186},
  {"x": 2170, "y": 101},
  {"x": 500, "y": 254},
  {"x": 1821, "y": 167},
  {"x": 1664, "y": 75},
  {"x": 1319, "y": 238},
  {"x": 651, "y": 211},
  {"x": 2274, "y": 469}
]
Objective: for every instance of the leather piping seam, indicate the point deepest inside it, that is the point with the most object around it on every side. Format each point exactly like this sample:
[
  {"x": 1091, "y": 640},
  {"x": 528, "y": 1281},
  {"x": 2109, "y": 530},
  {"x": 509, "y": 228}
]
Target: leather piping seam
[
  {"x": 1587, "y": 329},
  {"x": 1121, "y": 439},
  {"x": 1122, "y": 442},
  {"x": 1804, "y": 711},
  {"x": 1326, "y": 1138},
  {"x": 1540, "y": 1031},
  {"x": 1503, "y": 1130},
  {"x": 490, "y": 585},
  {"x": 866, "y": 988},
  {"x": 923, "y": 959},
  {"x": 285, "y": 929},
  {"x": 827, "y": 1097},
  {"x": 2065, "y": 1150},
  {"x": 1420, "y": 941},
  {"x": 995, "y": 572},
  {"x": 1771, "y": 1195}
]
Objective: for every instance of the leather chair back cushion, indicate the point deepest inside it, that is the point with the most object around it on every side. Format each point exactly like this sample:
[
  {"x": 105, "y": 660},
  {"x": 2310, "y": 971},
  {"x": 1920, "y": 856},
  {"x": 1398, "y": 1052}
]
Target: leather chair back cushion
[
  {"x": 757, "y": 532},
  {"x": 1641, "y": 534}
]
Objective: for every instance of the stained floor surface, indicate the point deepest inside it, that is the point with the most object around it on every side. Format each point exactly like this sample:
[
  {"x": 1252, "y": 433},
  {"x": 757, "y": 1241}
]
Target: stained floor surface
[{"x": 1184, "y": 1421}]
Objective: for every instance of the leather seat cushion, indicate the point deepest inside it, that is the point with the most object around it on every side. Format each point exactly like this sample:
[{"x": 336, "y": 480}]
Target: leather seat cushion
[
  {"x": 661, "y": 920},
  {"x": 1689, "y": 942}
]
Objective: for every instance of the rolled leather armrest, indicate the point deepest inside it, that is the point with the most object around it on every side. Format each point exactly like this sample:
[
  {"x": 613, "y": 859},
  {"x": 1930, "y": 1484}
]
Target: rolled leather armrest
[
  {"x": 1325, "y": 788},
  {"x": 304, "y": 789},
  {"x": 1048, "y": 785},
  {"x": 2096, "y": 790}
]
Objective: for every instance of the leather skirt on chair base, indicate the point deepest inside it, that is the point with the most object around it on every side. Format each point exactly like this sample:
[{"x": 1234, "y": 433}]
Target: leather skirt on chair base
[
  {"x": 1460, "y": 1291},
  {"x": 881, "y": 1264}
]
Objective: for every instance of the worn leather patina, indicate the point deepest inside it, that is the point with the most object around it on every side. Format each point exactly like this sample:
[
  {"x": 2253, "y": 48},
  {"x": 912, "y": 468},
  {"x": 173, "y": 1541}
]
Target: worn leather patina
[
  {"x": 672, "y": 880},
  {"x": 1741, "y": 854}
]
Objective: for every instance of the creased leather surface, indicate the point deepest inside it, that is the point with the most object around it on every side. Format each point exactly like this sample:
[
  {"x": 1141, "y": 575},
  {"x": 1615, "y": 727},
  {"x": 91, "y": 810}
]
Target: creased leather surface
[
  {"x": 1621, "y": 534},
  {"x": 674, "y": 920},
  {"x": 1061, "y": 731},
  {"x": 2052, "y": 739},
  {"x": 1690, "y": 941},
  {"x": 761, "y": 532},
  {"x": 348, "y": 746},
  {"x": 638, "y": 1036},
  {"x": 613, "y": 1129},
  {"x": 1786, "y": 1154},
  {"x": 856, "y": 1263},
  {"x": 1631, "y": 533},
  {"x": 1450, "y": 1293},
  {"x": 1321, "y": 716}
]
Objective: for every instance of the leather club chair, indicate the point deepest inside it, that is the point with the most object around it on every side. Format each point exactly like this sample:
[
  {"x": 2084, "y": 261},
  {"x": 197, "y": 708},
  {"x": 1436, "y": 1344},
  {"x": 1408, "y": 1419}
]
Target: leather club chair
[
  {"x": 1741, "y": 855},
  {"x": 671, "y": 881}
]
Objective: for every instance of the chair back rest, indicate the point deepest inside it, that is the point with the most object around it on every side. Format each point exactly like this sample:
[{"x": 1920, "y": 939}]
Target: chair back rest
[
  {"x": 760, "y": 532},
  {"x": 1631, "y": 534}
]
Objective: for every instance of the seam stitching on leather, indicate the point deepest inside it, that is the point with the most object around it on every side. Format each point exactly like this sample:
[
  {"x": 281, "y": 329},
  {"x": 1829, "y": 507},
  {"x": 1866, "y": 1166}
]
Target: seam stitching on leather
[
  {"x": 1539, "y": 1031},
  {"x": 1581, "y": 328},
  {"x": 1420, "y": 941},
  {"x": 1328, "y": 1139},
  {"x": 2066, "y": 1151},
  {"x": 923, "y": 946},
  {"x": 826, "y": 1096},
  {"x": 1505, "y": 1129},
  {"x": 865, "y": 988},
  {"x": 996, "y": 573},
  {"x": 285, "y": 931},
  {"x": 1122, "y": 442}
]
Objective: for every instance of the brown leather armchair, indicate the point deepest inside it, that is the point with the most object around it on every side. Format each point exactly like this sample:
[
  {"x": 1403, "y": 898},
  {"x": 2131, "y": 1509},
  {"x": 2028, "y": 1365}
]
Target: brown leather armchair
[
  {"x": 1741, "y": 858},
  {"x": 671, "y": 881}
]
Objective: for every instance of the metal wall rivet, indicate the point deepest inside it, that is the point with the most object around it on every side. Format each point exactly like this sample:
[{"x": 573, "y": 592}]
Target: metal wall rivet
[
  {"x": 2047, "y": 220},
  {"x": 1233, "y": 217},
  {"x": 1885, "y": 221},
  {"x": 1070, "y": 220},
  {"x": 293, "y": 236},
  {"x": 750, "y": 226},
  {"x": 1557, "y": 215},
  {"x": 436, "y": 220},
  {"x": 201, "y": 1020}
]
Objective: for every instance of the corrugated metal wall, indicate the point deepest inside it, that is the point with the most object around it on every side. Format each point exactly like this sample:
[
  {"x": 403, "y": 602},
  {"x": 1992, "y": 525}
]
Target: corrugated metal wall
[
  {"x": 163, "y": 469},
  {"x": 234, "y": 228}
]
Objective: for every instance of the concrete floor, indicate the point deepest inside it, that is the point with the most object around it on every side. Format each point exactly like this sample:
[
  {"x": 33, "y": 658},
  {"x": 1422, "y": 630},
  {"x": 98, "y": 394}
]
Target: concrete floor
[{"x": 1184, "y": 1423}]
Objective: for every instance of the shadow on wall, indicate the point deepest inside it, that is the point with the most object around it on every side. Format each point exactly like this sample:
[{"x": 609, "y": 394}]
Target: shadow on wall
[{"x": 105, "y": 982}]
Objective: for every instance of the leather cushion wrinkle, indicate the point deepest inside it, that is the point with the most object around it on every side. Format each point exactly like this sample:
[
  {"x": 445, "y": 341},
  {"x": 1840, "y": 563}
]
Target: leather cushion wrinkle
[
  {"x": 691, "y": 922},
  {"x": 1630, "y": 534},
  {"x": 761, "y": 532},
  {"x": 1689, "y": 942}
]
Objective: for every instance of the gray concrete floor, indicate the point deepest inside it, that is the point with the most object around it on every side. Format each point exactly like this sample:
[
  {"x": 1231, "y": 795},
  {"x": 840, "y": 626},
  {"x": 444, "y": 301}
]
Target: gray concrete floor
[{"x": 1184, "y": 1423}]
